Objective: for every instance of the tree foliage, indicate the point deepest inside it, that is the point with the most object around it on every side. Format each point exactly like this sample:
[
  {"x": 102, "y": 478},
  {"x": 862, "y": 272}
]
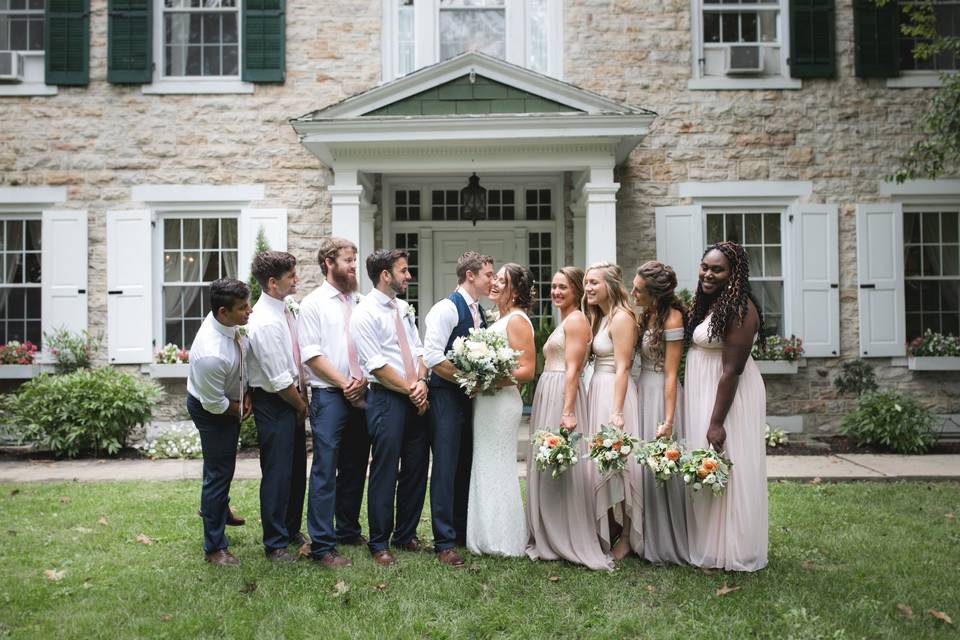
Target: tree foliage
[{"x": 258, "y": 248}]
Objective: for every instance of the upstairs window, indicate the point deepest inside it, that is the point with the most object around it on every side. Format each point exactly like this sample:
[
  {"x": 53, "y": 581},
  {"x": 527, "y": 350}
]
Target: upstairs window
[
  {"x": 201, "y": 38},
  {"x": 947, "y": 16},
  {"x": 473, "y": 25},
  {"x": 21, "y": 25}
]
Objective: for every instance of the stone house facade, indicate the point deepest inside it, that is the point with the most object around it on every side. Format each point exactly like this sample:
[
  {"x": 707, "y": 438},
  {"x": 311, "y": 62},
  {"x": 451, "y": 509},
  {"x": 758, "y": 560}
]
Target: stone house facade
[{"x": 146, "y": 142}]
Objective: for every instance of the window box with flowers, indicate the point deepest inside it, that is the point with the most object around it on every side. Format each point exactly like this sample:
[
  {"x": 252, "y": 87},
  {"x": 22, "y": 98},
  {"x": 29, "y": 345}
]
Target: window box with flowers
[
  {"x": 781, "y": 356},
  {"x": 18, "y": 360},
  {"x": 170, "y": 362},
  {"x": 934, "y": 352}
]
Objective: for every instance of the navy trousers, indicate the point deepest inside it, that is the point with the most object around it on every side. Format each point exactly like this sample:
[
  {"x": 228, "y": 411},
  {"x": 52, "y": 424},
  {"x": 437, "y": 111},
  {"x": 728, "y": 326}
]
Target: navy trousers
[
  {"x": 451, "y": 442},
  {"x": 218, "y": 440},
  {"x": 283, "y": 465},
  {"x": 341, "y": 449},
  {"x": 398, "y": 472}
]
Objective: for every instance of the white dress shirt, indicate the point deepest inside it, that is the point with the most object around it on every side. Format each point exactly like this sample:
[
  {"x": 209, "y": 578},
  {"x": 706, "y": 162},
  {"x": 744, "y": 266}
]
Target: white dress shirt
[
  {"x": 271, "y": 366},
  {"x": 322, "y": 332},
  {"x": 374, "y": 333},
  {"x": 215, "y": 375},
  {"x": 441, "y": 321}
]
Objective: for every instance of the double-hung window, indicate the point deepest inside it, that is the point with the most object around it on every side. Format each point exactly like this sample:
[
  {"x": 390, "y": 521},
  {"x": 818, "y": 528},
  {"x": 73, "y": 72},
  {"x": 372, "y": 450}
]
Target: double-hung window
[
  {"x": 947, "y": 19},
  {"x": 932, "y": 270},
  {"x": 20, "y": 278},
  {"x": 21, "y": 25},
  {"x": 201, "y": 38}
]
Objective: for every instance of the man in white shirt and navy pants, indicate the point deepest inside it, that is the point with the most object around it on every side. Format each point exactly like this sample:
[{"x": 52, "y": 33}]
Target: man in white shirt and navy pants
[
  {"x": 388, "y": 344},
  {"x": 338, "y": 386},
  {"x": 279, "y": 403},
  {"x": 217, "y": 401}
]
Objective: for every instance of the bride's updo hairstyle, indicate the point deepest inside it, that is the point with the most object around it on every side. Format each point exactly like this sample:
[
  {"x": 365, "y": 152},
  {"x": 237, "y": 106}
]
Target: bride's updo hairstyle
[
  {"x": 660, "y": 282},
  {"x": 613, "y": 281},
  {"x": 520, "y": 283}
]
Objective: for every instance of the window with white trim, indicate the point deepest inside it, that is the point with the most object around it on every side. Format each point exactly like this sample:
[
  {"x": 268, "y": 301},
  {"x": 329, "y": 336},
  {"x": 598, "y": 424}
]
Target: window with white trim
[
  {"x": 20, "y": 278},
  {"x": 540, "y": 262},
  {"x": 931, "y": 271},
  {"x": 947, "y": 17},
  {"x": 201, "y": 38},
  {"x": 21, "y": 25},
  {"x": 410, "y": 242}
]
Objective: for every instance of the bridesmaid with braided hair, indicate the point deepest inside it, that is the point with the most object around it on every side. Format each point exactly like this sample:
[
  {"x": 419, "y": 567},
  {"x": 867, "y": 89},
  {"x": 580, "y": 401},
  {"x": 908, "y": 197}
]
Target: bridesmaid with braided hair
[
  {"x": 725, "y": 408},
  {"x": 661, "y": 347}
]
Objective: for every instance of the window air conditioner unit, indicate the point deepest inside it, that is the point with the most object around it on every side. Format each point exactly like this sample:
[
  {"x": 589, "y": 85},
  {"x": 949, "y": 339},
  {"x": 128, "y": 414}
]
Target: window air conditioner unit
[
  {"x": 11, "y": 66},
  {"x": 744, "y": 59}
]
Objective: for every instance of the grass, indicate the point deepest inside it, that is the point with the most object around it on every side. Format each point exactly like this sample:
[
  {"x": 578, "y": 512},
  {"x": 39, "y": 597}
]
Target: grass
[{"x": 842, "y": 557}]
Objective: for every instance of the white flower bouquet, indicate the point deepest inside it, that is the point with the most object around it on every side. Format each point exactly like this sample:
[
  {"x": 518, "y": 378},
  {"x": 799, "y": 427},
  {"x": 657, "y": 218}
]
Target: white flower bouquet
[
  {"x": 555, "y": 451},
  {"x": 706, "y": 467},
  {"x": 611, "y": 448},
  {"x": 662, "y": 457},
  {"x": 483, "y": 357}
]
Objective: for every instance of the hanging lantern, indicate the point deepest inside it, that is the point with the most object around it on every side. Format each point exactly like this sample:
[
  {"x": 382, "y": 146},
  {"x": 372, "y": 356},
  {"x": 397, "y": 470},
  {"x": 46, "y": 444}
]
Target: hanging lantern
[{"x": 473, "y": 201}]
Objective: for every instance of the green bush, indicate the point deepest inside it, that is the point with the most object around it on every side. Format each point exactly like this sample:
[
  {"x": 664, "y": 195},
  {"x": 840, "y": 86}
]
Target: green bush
[
  {"x": 892, "y": 421},
  {"x": 856, "y": 376},
  {"x": 90, "y": 411},
  {"x": 72, "y": 351},
  {"x": 248, "y": 433}
]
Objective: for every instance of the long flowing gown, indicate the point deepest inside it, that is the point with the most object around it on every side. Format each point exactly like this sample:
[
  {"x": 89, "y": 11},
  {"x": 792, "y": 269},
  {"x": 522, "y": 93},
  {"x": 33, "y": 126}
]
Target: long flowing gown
[
  {"x": 665, "y": 517},
  {"x": 495, "y": 521},
  {"x": 613, "y": 487},
  {"x": 560, "y": 510},
  {"x": 728, "y": 531}
]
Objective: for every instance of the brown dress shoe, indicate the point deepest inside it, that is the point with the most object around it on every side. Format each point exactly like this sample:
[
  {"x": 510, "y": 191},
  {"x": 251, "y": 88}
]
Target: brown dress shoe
[
  {"x": 222, "y": 558},
  {"x": 414, "y": 546},
  {"x": 450, "y": 557},
  {"x": 280, "y": 555},
  {"x": 234, "y": 520},
  {"x": 384, "y": 558},
  {"x": 359, "y": 541},
  {"x": 333, "y": 560}
]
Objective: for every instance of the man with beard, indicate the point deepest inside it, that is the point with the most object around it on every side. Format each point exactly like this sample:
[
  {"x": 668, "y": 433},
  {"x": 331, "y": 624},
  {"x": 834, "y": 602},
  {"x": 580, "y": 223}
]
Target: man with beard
[
  {"x": 389, "y": 348},
  {"x": 341, "y": 445}
]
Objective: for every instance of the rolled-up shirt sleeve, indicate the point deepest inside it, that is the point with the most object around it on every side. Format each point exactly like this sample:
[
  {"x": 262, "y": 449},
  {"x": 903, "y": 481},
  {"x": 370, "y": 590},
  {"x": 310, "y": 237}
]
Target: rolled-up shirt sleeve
[
  {"x": 211, "y": 382},
  {"x": 269, "y": 346},
  {"x": 363, "y": 330},
  {"x": 311, "y": 338},
  {"x": 441, "y": 321}
]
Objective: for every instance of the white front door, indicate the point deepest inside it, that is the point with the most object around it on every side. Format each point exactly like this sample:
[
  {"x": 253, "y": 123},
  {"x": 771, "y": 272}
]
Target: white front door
[{"x": 503, "y": 245}]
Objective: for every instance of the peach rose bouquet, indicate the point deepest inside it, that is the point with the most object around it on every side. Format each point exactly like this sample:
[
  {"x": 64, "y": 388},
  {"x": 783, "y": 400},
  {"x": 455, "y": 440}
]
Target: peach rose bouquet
[
  {"x": 706, "y": 468},
  {"x": 555, "y": 451},
  {"x": 662, "y": 457},
  {"x": 611, "y": 448}
]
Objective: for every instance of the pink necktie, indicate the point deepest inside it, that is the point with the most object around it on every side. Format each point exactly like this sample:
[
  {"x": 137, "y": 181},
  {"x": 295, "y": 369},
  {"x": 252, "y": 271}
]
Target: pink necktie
[
  {"x": 355, "y": 371},
  {"x": 410, "y": 373},
  {"x": 295, "y": 338},
  {"x": 475, "y": 312}
]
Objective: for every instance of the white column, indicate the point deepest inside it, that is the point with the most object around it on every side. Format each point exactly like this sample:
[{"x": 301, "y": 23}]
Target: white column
[
  {"x": 352, "y": 217},
  {"x": 600, "y": 198},
  {"x": 579, "y": 209}
]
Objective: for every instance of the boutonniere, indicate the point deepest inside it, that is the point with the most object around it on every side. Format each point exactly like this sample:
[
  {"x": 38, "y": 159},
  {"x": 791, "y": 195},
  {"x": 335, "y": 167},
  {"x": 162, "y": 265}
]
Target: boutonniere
[
  {"x": 411, "y": 313},
  {"x": 292, "y": 305},
  {"x": 241, "y": 331},
  {"x": 491, "y": 315},
  {"x": 356, "y": 298}
]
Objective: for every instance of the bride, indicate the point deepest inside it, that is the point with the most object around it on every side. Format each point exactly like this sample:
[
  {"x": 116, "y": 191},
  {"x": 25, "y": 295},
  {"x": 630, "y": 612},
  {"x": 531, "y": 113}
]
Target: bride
[{"x": 495, "y": 520}]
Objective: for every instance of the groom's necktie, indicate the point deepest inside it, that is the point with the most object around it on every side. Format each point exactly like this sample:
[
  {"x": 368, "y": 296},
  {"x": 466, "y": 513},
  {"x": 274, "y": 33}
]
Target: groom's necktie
[{"x": 475, "y": 312}]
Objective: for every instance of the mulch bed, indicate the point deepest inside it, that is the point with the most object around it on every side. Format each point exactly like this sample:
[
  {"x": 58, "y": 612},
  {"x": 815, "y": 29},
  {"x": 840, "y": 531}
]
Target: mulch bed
[{"x": 833, "y": 445}]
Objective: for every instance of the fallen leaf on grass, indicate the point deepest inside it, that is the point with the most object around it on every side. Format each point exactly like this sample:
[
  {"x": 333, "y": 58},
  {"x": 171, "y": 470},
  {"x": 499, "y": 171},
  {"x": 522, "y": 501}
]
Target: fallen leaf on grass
[
  {"x": 340, "y": 588},
  {"x": 724, "y": 590},
  {"x": 808, "y": 564},
  {"x": 554, "y": 578},
  {"x": 950, "y": 516},
  {"x": 381, "y": 586},
  {"x": 248, "y": 587},
  {"x": 82, "y": 530},
  {"x": 940, "y": 615},
  {"x": 55, "y": 575},
  {"x": 64, "y": 499},
  {"x": 649, "y": 588},
  {"x": 103, "y": 521},
  {"x": 144, "y": 539},
  {"x": 905, "y": 610},
  {"x": 166, "y": 617},
  {"x": 816, "y": 480}
]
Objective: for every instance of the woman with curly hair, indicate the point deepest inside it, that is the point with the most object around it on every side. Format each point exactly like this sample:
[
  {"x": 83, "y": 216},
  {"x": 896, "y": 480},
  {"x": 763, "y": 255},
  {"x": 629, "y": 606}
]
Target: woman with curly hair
[
  {"x": 725, "y": 408},
  {"x": 661, "y": 331},
  {"x": 612, "y": 400}
]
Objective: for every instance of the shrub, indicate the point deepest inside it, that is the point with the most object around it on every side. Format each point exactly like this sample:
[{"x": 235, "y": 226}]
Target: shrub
[
  {"x": 87, "y": 411},
  {"x": 934, "y": 345},
  {"x": 774, "y": 437},
  {"x": 856, "y": 376},
  {"x": 72, "y": 351},
  {"x": 180, "y": 441},
  {"x": 260, "y": 245},
  {"x": 15, "y": 352},
  {"x": 892, "y": 421},
  {"x": 248, "y": 433},
  {"x": 172, "y": 354},
  {"x": 543, "y": 330},
  {"x": 779, "y": 348}
]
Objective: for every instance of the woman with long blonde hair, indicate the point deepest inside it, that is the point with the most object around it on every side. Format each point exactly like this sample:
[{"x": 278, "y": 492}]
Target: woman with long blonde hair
[{"x": 612, "y": 400}]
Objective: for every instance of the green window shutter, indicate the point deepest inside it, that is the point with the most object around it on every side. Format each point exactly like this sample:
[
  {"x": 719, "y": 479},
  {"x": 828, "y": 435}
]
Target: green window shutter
[
  {"x": 66, "y": 42},
  {"x": 264, "y": 41},
  {"x": 812, "y": 39},
  {"x": 876, "y": 39},
  {"x": 130, "y": 41}
]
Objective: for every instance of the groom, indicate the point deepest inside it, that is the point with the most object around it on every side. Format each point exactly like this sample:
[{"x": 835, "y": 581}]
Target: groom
[{"x": 451, "y": 415}]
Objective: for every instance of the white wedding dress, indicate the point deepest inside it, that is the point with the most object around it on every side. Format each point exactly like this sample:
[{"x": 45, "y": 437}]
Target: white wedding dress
[{"x": 495, "y": 521}]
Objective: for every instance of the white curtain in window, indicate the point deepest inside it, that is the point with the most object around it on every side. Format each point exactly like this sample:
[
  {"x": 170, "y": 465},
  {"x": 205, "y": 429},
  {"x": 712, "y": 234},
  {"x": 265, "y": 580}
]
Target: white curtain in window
[{"x": 472, "y": 25}]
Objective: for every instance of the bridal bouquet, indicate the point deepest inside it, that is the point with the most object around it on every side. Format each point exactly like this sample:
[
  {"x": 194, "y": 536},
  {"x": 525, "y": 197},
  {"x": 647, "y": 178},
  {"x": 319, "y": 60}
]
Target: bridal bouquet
[
  {"x": 556, "y": 451},
  {"x": 611, "y": 448},
  {"x": 482, "y": 356},
  {"x": 662, "y": 457},
  {"x": 706, "y": 467}
]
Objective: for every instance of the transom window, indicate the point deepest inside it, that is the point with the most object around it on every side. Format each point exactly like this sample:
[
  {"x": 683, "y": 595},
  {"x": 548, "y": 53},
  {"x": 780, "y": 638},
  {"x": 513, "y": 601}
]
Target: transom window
[
  {"x": 947, "y": 16},
  {"x": 21, "y": 25},
  {"x": 20, "y": 253},
  {"x": 760, "y": 234},
  {"x": 406, "y": 204},
  {"x": 201, "y": 38},
  {"x": 197, "y": 249},
  {"x": 932, "y": 271},
  {"x": 501, "y": 204},
  {"x": 472, "y": 25}
]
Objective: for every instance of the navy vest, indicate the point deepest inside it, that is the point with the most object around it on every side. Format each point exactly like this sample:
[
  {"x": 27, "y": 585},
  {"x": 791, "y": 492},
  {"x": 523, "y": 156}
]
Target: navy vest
[{"x": 464, "y": 324}]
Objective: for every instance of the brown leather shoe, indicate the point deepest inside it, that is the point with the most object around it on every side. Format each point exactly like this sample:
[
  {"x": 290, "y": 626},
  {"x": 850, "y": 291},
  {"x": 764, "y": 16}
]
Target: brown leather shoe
[
  {"x": 359, "y": 541},
  {"x": 280, "y": 555},
  {"x": 384, "y": 558},
  {"x": 333, "y": 560},
  {"x": 222, "y": 558},
  {"x": 412, "y": 546},
  {"x": 450, "y": 557},
  {"x": 234, "y": 520}
]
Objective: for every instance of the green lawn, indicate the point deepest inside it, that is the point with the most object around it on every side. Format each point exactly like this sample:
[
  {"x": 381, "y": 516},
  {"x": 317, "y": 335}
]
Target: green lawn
[{"x": 842, "y": 557}]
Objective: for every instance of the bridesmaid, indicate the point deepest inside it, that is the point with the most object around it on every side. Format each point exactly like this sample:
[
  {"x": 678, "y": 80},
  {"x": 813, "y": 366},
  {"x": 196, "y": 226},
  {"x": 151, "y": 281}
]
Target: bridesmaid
[
  {"x": 661, "y": 324},
  {"x": 612, "y": 399},
  {"x": 725, "y": 407},
  {"x": 560, "y": 510}
]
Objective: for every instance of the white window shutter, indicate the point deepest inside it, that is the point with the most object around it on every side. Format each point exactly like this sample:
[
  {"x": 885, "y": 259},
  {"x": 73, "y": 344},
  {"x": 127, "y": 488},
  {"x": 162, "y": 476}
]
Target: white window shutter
[
  {"x": 815, "y": 278},
  {"x": 680, "y": 242},
  {"x": 129, "y": 295},
  {"x": 274, "y": 225},
  {"x": 880, "y": 273},
  {"x": 63, "y": 269}
]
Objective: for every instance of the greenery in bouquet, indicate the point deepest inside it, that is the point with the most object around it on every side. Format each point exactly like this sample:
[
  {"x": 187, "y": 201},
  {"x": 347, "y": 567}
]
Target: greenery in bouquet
[
  {"x": 662, "y": 457},
  {"x": 934, "y": 345},
  {"x": 774, "y": 437},
  {"x": 15, "y": 352},
  {"x": 778, "y": 348},
  {"x": 482, "y": 357},
  {"x": 172, "y": 354},
  {"x": 555, "y": 451},
  {"x": 706, "y": 467},
  {"x": 611, "y": 448}
]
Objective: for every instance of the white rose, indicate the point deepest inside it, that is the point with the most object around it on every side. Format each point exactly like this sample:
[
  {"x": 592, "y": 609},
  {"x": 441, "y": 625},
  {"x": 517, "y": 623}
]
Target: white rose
[
  {"x": 458, "y": 346},
  {"x": 608, "y": 443},
  {"x": 710, "y": 479},
  {"x": 652, "y": 462},
  {"x": 559, "y": 457},
  {"x": 505, "y": 353},
  {"x": 625, "y": 450},
  {"x": 573, "y": 460},
  {"x": 697, "y": 486},
  {"x": 611, "y": 455},
  {"x": 687, "y": 478}
]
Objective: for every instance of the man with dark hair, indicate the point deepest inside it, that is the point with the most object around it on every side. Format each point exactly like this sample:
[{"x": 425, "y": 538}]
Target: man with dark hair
[
  {"x": 280, "y": 407},
  {"x": 451, "y": 411},
  {"x": 217, "y": 401},
  {"x": 384, "y": 330},
  {"x": 341, "y": 444}
]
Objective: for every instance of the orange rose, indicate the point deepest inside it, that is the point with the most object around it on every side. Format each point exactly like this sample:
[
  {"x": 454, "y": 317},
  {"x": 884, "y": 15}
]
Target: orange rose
[
  {"x": 702, "y": 473},
  {"x": 552, "y": 441},
  {"x": 672, "y": 454},
  {"x": 616, "y": 446},
  {"x": 710, "y": 465}
]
